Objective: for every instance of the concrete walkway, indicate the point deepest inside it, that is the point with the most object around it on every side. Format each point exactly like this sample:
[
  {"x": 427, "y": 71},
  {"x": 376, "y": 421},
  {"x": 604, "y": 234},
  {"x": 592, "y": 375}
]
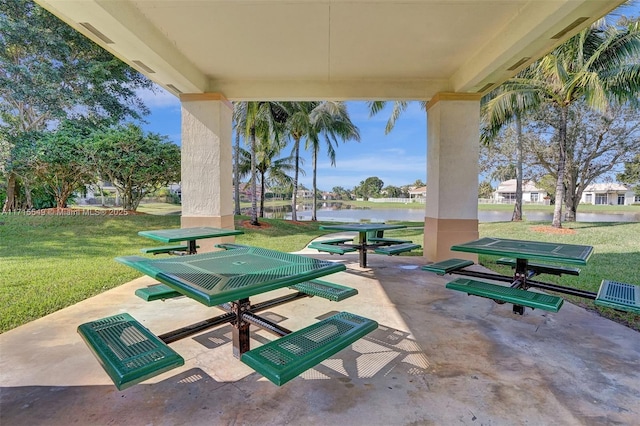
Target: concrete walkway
[{"x": 439, "y": 357}]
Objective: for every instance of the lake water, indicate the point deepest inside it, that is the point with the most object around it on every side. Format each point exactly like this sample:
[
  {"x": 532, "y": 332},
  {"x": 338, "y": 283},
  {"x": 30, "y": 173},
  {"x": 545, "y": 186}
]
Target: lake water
[{"x": 333, "y": 213}]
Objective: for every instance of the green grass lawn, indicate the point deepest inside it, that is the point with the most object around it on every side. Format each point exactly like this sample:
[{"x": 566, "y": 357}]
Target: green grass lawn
[{"x": 50, "y": 262}]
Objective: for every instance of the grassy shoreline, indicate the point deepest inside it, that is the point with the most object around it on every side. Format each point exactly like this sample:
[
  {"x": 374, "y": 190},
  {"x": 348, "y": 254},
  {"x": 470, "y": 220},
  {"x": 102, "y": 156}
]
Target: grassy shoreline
[{"x": 50, "y": 262}]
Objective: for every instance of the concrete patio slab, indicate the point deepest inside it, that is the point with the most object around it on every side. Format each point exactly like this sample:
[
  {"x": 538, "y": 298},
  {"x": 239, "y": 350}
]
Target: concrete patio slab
[{"x": 438, "y": 357}]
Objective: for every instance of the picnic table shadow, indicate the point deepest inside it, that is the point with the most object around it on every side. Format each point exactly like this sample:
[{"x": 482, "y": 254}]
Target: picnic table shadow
[{"x": 383, "y": 352}]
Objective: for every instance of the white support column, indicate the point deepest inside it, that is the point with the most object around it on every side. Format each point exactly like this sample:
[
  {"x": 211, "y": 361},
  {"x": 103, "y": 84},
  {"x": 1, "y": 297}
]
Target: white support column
[
  {"x": 207, "y": 186},
  {"x": 451, "y": 211}
]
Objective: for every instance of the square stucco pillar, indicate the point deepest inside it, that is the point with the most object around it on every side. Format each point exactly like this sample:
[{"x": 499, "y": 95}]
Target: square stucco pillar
[
  {"x": 207, "y": 165},
  {"x": 451, "y": 211}
]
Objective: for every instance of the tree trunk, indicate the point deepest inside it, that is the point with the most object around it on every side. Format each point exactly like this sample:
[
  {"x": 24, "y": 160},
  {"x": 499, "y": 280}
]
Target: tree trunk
[
  {"x": 254, "y": 205},
  {"x": 571, "y": 178},
  {"x": 571, "y": 203},
  {"x": 314, "y": 216},
  {"x": 10, "y": 202},
  {"x": 262, "y": 188},
  {"x": 27, "y": 196},
  {"x": 294, "y": 196},
  {"x": 517, "y": 207},
  {"x": 236, "y": 175},
  {"x": 562, "y": 156}
]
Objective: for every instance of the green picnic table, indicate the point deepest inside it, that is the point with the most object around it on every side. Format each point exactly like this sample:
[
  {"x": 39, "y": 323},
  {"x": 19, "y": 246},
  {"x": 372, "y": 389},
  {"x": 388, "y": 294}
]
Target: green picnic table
[
  {"x": 528, "y": 250},
  {"x": 130, "y": 353},
  {"x": 522, "y": 252},
  {"x": 362, "y": 229},
  {"x": 191, "y": 235}
]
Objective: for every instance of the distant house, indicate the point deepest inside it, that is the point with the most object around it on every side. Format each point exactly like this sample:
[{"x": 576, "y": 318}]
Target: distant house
[
  {"x": 609, "y": 193},
  {"x": 328, "y": 195},
  {"x": 506, "y": 192},
  {"x": 304, "y": 193},
  {"x": 418, "y": 192}
]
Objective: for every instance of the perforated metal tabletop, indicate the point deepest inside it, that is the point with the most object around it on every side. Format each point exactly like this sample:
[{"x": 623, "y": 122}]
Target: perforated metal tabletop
[
  {"x": 225, "y": 276},
  {"x": 553, "y": 252},
  {"x": 185, "y": 234}
]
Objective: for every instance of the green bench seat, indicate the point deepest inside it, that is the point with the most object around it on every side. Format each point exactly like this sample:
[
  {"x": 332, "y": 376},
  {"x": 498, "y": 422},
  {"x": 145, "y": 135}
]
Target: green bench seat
[
  {"x": 620, "y": 296},
  {"x": 335, "y": 241},
  {"x": 447, "y": 266},
  {"x": 396, "y": 248},
  {"x": 507, "y": 294},
  {"x": 157, "y": 292},
  {"x": 540, "y": 268},
  {"x": 230, "y": 246},
  {"x": 165, "y": 249},
  {"x": 326, "y": 290},
  {"x": 330, "y": 248},
  {"x": 128, "y": 351},
  {"x": 388, "y": 240},
  {"x": 285, "y": 358}
]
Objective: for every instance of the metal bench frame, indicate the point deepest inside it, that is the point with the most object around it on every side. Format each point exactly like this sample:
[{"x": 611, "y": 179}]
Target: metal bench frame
[
  {"x": 332, "y": 248},
  {"x": 519, "y": 298},
  {"x": 396, "y": 248},
  {"x": 127, "y": 350},
  {"x": 287, "y": 357}
]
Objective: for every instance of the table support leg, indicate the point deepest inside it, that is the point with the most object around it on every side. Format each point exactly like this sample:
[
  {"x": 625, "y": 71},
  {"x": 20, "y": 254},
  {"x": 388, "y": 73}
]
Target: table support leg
[
  {"x": 521, "y": 272},
  {"x": 192, "y": 247},
  {"x": 363, "y": 249},
  {"x": 240, "y": 327}
]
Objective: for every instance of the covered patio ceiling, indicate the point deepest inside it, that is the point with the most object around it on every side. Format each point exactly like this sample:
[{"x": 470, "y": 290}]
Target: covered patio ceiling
[{"x": 329, "y": 49}]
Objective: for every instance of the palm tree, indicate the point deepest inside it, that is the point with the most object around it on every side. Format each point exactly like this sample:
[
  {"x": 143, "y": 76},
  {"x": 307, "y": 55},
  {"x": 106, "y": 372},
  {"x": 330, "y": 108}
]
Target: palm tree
[
  {"x": 258, "y": 117},
  {"x": 236, "y": 161},
  {"x": 599, "y": 65},
  {"x": 311, "y": 120},
  {"x": 272, "y": 170},
  {"x": 490, "y": 127},
  {"x": 298, "y": 127},
  {"x": 397, "y": 109},
  {"x": 331, "y": 121}
]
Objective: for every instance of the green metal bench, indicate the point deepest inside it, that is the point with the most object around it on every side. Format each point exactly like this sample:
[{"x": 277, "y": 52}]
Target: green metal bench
[
  {"x": 157, "y": 292},
  {"x": 501, "y": 293},
  {"x": 285, "y": 358},
  {"x": 335, "y": 241},
  {"x": 388, "y": 240},
  {"x": 447, "y": 266},
  {"x": 128, "y": 351},
  {"x": 330, "y": 248},
  {"x": 540, "y": 268},
  {"x": 165, "y": 249},
  {"x": 620, "y": 296},
  {"x": 230, "y": 246},
  {"x": 396, "y": 248},
  {"x": 326, "y": 290}
]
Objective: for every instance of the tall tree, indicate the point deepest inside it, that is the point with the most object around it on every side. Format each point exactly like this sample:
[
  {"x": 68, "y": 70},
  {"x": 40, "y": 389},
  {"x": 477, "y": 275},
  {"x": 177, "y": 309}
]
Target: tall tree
[
  {"x": 598, "y": 66},
  {"x": 272, "y": 171},
  {"x": 49, "y": 72},
  {"x": 299, "y": 126},
  {"x": 331, "y": 122},
  {"x": 136, "y": 163},
  {"x": 397, "y": 109},
  {"x": 369, "y": 188},
  {"x": 596, "y": 145},
  {"x": 314, "y": 122},
  {"x": 258, "y": 118},
  {"x": 236, "y": 164},
  {"x": 63, "y": 160}
]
